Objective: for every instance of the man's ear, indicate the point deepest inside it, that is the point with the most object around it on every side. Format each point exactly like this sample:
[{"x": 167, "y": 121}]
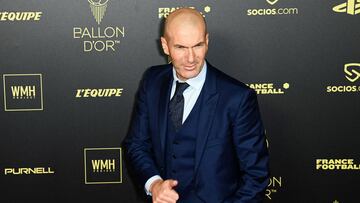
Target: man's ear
[{"x": 164, "y": 45}]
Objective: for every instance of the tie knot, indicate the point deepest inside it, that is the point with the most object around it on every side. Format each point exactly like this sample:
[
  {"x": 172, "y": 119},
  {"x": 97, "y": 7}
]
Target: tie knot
[{"x": 180, "y": 87}]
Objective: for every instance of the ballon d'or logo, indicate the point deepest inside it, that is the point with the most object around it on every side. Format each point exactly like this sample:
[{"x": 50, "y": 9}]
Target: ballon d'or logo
[
  {"x": 272, "y": 2},
  {"x": 98, "y": 9}
]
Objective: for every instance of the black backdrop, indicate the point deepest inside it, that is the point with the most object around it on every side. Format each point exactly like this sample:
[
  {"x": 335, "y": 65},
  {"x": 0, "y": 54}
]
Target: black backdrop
[{"x": 69, "y": 78}]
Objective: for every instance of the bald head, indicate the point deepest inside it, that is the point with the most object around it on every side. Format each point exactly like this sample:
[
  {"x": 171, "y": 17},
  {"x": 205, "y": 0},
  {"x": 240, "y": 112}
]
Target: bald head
[
  {"x": 185, "y": 41},
  {"x": 184, "y": 18}
]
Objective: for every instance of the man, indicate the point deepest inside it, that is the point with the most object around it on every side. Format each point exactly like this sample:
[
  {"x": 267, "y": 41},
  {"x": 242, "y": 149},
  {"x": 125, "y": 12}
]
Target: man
[{"x": 196, "y": 133}]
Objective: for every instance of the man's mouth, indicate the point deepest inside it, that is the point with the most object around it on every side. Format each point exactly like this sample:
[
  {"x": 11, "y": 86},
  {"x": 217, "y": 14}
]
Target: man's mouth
[{"x": 190, "y": 67}]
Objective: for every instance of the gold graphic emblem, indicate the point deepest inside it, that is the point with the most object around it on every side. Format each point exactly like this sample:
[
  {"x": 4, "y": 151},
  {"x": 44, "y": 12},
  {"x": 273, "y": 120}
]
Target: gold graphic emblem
[
  {"x": 23, "y": 92},
  {"x": 272, "y": 2},
  {"x": 98, "y": 9},
  {"x": 352, "y": 71},
  {"x": 103, "y": 165},
  {"x": 351, "y": 7}
]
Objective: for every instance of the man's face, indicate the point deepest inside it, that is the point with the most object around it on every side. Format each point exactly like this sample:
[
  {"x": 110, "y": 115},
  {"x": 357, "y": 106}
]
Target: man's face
[{"x": 187, "y": 48}]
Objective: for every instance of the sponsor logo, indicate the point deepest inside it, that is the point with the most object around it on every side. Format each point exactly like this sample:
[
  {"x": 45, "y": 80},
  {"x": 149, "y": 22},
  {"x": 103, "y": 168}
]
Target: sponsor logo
[
  {"x": 163, "y": 12},
  {"x": 352, "y": 71},
  {"x": 100, "y": 38},
  {"x": 269, "y": 88},
  {"x": 271, "y": 11},
  {"x": 352, "y": 74},
  {"x": 20, "y": 16},
  {"x": 108, "y": 92},
  {"x": 336, "y": 164},
  {"x": 98, "y": 9},
  {"x": 23, "y": 92},
  {"x": 275, "y": 183},
  {"x": 29, "y": 171},
  {"x": 272, "y": 2},
  {"x": 351, "y": 7},
  {"x": 103, "y": 165}
]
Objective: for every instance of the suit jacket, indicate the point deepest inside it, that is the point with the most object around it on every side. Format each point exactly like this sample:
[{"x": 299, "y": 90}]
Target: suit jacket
[{"x": 231, "y": 157}]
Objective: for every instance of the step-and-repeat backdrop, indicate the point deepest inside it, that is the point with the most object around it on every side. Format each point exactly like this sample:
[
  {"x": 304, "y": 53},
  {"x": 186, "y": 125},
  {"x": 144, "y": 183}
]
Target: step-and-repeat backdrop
[{"x": 70, "y": 70}]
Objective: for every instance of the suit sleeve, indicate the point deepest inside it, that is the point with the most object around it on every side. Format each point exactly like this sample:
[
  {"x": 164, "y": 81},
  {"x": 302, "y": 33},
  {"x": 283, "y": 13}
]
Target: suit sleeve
[
  {"x": 138, "y": 147},
  {"x": 250, "y": 145}
]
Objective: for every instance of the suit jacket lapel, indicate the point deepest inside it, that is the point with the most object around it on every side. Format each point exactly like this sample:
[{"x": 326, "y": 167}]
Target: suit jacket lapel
[
  {"x": 207, "y": 111},
  {"x": 164, "y": 98}
]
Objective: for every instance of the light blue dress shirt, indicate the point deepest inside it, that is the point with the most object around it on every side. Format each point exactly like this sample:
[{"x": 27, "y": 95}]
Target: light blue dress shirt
[{"x": 191, "y": 93}]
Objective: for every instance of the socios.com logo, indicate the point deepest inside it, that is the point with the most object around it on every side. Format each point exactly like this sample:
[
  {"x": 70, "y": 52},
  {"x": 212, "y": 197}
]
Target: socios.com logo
[
  {"x": 272, "y": 2},
  {"x": 351, "y": 7},
  {"x": 272, "y": 10},
  {"x": 352, "y": 71},
  {"x": 98, "y": 9},
  {"x": 352, "y": 74}
]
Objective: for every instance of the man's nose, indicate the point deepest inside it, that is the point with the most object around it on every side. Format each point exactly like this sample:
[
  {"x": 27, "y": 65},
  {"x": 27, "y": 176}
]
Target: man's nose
[{"x": 191, "y": 55}]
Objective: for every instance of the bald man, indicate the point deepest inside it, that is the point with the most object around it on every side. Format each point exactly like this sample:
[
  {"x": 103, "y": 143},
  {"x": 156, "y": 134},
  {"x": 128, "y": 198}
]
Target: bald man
[{"x": 196, "y": 133}]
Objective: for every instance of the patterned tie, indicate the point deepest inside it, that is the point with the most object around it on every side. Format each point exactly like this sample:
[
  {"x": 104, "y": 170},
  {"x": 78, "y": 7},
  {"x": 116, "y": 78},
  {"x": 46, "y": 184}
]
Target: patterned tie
[{"x": 176, "y": 105}]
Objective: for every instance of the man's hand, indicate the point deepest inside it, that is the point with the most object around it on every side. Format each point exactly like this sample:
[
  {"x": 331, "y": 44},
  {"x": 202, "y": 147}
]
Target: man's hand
[{"x": 163, "y": 192}]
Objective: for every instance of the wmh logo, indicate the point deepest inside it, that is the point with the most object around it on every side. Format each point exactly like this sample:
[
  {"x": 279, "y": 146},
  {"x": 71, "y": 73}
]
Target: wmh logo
[
  {"x": 100, "y": 165},
  {"x": 23, "y": 92},
  {"x": 351, "y": 7},
  {"x": 103, "y": 165}
]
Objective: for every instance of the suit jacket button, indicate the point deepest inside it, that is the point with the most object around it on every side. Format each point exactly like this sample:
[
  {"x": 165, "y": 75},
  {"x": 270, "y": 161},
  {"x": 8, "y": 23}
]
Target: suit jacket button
[{"x": 174, "y": 157}]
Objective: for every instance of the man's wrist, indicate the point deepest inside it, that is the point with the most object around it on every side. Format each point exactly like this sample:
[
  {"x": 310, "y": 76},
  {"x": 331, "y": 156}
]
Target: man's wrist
[
  {"x": 149, "y": 183},
  {"x": 153, "y": 184}
]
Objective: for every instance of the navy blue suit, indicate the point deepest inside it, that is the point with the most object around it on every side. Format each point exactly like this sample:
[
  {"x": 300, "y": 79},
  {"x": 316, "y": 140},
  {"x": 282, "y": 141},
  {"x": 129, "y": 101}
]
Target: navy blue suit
[{"x": 230, "y": 162}]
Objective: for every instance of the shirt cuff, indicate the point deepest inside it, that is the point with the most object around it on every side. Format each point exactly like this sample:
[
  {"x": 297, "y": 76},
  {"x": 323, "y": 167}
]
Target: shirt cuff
[{"x": 149, "y": 182}]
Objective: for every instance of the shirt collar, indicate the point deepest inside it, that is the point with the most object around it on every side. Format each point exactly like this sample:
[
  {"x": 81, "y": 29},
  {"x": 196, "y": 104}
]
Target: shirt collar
[{"x": 196, "y": 81}]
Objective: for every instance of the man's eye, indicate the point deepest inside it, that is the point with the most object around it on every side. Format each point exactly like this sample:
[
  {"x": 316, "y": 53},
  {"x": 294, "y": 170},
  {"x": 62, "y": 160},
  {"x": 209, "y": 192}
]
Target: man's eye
[{"x": 180, "y": 47}]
